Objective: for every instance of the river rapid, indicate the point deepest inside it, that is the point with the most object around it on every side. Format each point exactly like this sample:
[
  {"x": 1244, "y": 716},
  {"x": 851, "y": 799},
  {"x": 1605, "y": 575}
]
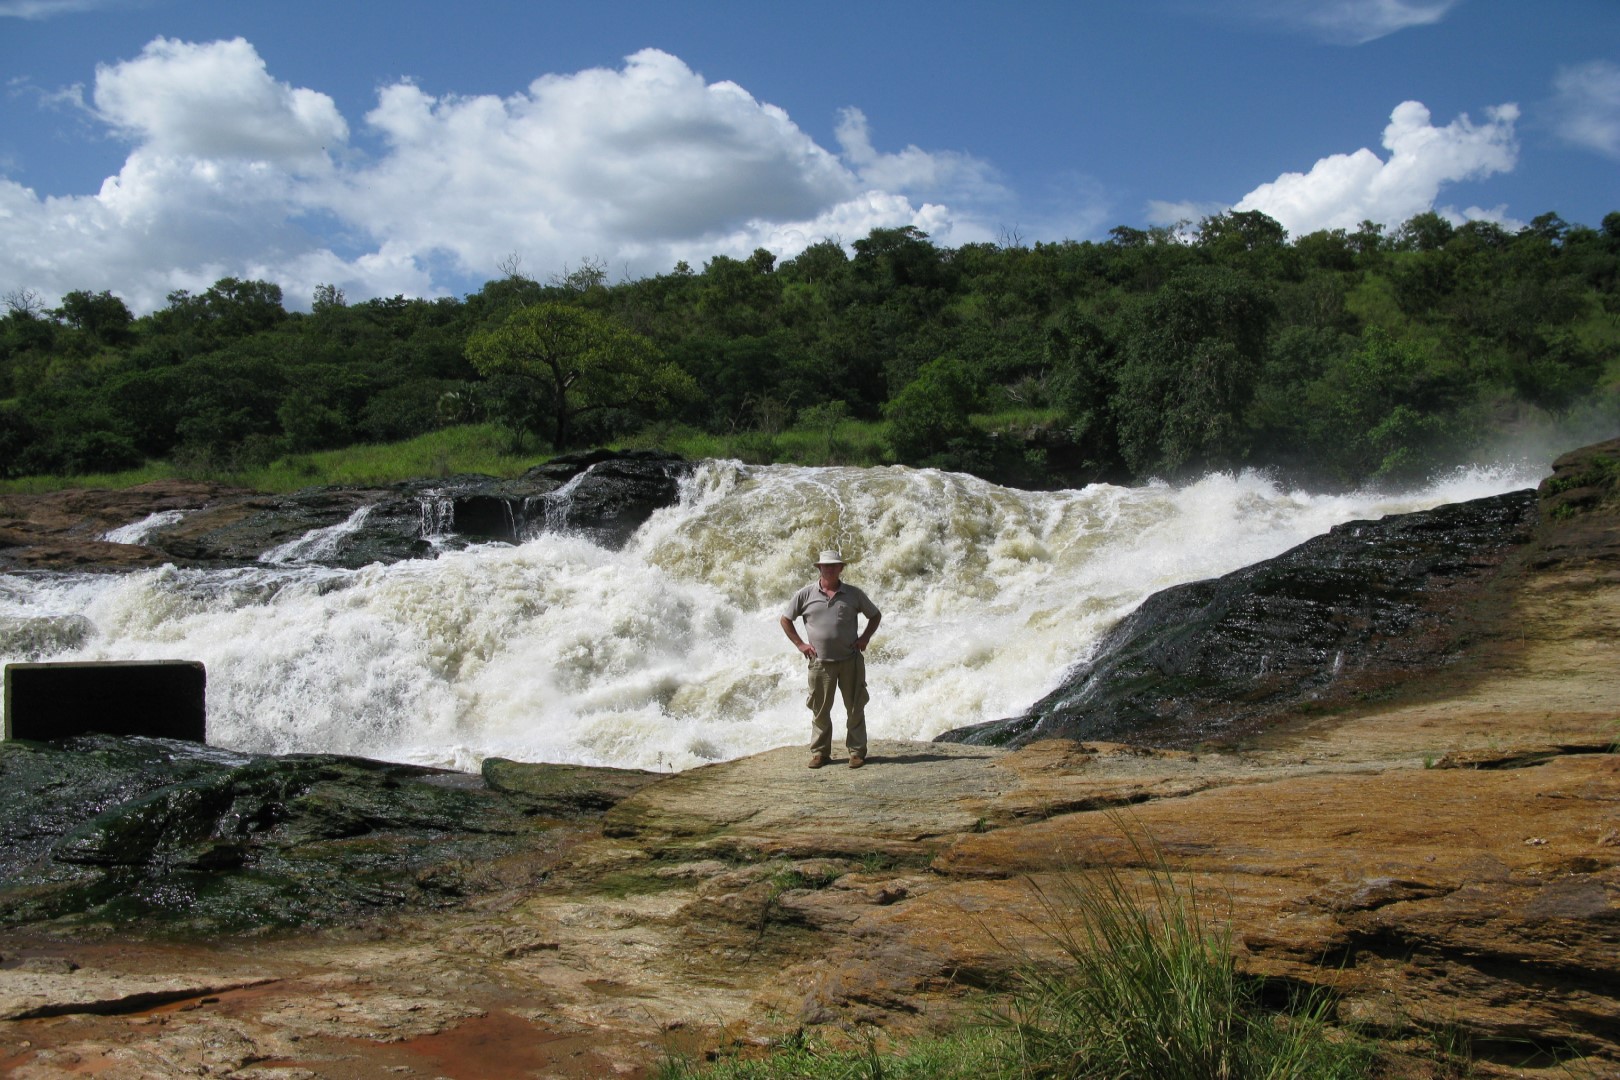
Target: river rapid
[{"x": 667, "y": 654}]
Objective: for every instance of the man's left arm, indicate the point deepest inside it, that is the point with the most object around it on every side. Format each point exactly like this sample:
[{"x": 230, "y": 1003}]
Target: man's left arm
[{"x": 873, "y": 617}]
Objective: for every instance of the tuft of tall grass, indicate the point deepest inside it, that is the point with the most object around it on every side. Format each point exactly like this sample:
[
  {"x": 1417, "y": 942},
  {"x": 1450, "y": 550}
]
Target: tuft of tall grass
[
  {"x": 1141, "y": 987},
  {"x": 1144, "y": 987}
]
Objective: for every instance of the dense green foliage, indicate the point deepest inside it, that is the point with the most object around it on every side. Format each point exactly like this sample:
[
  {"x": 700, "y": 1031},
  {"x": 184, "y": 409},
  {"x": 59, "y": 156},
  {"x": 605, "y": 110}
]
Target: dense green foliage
[
  {"x": 1338, "y": 356},
  {"x": 561, "y": 363}
]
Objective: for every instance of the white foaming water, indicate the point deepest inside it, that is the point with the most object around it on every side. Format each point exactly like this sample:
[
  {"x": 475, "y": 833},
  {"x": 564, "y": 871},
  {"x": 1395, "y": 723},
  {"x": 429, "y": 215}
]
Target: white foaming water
[
  {"x": 317, "y": 544},
  {"x": 136, "y": 532},
  {"x": 668, "y": 654}
]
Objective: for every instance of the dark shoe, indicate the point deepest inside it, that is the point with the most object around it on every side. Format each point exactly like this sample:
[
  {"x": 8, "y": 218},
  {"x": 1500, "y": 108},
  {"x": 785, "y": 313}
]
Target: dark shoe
[
  {"x": 817, "y": 760},
  {"x": 857, "y": 760}
]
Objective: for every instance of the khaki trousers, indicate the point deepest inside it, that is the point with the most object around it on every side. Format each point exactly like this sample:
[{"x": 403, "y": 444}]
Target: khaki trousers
[{"x": 848, "y": 679}]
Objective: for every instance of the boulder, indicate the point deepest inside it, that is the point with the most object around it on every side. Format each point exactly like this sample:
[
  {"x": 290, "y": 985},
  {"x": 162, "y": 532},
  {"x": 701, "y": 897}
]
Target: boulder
[
  {"x": 605, "y": 495},
  {"x": 1369, "y": 605},
  {"x": 64, "y": 529},
  {"x": 173, "y": 835}
]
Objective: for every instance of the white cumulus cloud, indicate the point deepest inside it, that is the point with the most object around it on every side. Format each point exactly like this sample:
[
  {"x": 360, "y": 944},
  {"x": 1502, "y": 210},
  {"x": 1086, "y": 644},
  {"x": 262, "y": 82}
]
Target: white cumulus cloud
[
  {"x": 233, "y": 172},
  {"x": 947, "y": 174},
  {"x": 1587, "y": 106},
  {"x": 214, "y": 101},
  {"x": 1341, "y": 191}
]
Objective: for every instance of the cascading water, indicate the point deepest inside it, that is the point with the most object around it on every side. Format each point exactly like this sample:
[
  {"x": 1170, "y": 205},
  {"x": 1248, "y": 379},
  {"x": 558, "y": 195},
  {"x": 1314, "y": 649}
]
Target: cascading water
[
  {"x": 317, "y": 544},
  {"x": 667, "y": 654},
  {"x": 557, "y": 505},
  {"x": 438, "y": 516},
  {"x": 137, "y": 532}
]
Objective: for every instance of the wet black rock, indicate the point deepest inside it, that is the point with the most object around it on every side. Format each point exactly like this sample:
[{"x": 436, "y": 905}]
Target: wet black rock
[
  {"x": 1368, "y": 605},
  {"x": 180, "y": 837},
  {"x": 604, "y": 495},
  {"x": 339, "y": 526}
]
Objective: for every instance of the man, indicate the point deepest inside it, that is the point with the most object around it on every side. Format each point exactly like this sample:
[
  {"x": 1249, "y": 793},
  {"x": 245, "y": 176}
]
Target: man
[{"x": 829, "y": 607}]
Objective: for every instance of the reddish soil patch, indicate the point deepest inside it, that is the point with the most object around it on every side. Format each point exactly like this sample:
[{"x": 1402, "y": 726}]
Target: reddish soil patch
[{"x": 499, "y": 1046}]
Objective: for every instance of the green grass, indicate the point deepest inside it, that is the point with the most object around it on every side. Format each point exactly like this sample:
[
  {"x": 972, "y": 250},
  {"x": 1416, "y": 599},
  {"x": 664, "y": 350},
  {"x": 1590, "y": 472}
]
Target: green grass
[
  {"x": 39, "y": 485},
  {"x": 851, "y": 442},
  {"x": 469, "y": 448},
  {"x": 1600, "y": 472},
  {"x": 966, "y": 1055},
  {"x": 1019, "y": 419}
]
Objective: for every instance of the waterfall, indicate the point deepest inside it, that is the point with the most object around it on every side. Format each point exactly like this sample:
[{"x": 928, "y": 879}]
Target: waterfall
[
  {"x": 317, "y": 544},
  {"x": 438, "y": 516},
  {"x": 136, "y": 532},
  {"x": 555, "y": 505},
  {"x": 667, "y": 654}
]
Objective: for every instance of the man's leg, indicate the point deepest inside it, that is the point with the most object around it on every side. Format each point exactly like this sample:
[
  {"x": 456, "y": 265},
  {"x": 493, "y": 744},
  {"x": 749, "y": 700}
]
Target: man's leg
[
  {"x": 852, "y": 688},
  {"x": 823, "y": 685}
]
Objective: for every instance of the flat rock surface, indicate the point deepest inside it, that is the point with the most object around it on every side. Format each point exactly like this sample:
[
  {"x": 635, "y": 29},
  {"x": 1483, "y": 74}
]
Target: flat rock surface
[
  {"x": 28, "y": 993},
  {"x": 775, "y": 803},
  {"x": 1443, "y": 856}
]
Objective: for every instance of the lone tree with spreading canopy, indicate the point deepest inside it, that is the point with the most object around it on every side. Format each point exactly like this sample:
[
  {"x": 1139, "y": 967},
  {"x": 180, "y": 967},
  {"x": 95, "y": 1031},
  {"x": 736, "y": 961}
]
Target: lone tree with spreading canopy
[{"x": 561, "y": 363}]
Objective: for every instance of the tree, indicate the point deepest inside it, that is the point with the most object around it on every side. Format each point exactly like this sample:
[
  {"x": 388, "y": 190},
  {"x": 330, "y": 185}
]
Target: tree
[
  {"x": 1191, "y": 364},
  {"x": 1386, "y": 411},
  {"x": 822, "y": 262},
  {"x": 1239, "y": 231},
  {"x": 103, "y": 316},
  {"x": 824, "y": 418},
  {"x": 894, "y": 258},
  {"x": 17, "y": 435},
  {"x": 327, "y": 298},
  {"x": 931, "y": 414},
  {"x": 1427, "y": 231},
  {"x": 570, "y": 362},
  {"x": 591, "y": 275}
]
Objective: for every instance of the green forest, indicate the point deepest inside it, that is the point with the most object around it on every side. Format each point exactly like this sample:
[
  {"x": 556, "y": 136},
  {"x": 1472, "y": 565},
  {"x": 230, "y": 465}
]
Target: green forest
[{"x": 1336, "y": 358}]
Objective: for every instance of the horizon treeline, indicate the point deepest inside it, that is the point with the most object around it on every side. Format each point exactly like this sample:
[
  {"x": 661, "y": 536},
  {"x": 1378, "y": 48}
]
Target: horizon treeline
[{"x": 1339, "y": 357}]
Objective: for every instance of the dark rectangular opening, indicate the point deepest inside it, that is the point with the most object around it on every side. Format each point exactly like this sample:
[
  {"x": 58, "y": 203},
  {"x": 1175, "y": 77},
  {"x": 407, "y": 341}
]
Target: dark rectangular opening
[{"x": 163, "y": 699}]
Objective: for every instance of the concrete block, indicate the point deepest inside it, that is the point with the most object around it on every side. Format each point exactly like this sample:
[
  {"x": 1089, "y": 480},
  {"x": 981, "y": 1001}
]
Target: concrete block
[{"x": 164, "y": 699}]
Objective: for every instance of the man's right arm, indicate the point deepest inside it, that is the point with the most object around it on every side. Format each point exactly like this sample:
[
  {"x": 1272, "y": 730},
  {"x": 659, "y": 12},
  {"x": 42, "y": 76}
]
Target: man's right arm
[{"x": 798, "y": 642}]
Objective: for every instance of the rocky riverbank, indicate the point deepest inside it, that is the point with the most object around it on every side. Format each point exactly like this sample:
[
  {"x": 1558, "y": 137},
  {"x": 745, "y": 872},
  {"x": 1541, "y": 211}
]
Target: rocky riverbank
[
  {"x": 604, "y": 495},
  {"x": 1441, "y": 850}
]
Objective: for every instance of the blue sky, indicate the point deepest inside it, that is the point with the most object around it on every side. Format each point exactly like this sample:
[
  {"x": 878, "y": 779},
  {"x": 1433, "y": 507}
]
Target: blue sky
[{"x": 413, "y": 147}]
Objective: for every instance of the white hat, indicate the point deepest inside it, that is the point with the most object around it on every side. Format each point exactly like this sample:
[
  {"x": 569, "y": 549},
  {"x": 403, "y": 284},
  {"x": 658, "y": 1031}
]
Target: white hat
[{"x": 831, "y": 555}]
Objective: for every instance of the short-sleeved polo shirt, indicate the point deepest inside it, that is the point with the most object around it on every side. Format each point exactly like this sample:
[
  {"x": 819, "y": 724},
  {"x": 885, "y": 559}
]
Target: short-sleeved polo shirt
[{"x": 829, "y": 622}]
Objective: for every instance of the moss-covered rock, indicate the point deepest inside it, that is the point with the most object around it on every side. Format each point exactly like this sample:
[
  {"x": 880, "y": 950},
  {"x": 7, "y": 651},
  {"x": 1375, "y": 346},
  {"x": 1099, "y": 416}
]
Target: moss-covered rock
[
  {"x": 565, "y": 790},
  {"x": 168, "y": 833}
]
